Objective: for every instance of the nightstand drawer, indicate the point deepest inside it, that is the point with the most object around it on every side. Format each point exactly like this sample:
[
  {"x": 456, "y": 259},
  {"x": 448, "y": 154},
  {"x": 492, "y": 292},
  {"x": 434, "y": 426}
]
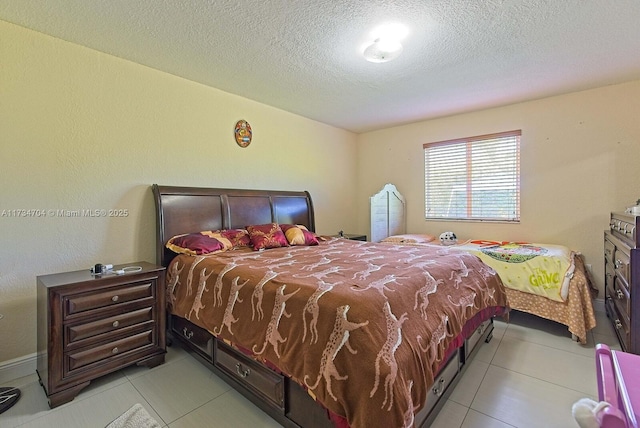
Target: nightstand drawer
[
  {"x": 112, "y": 296},
  {"x": 82, "y": 331},
  {"x": 83, "y": 358},
  {"x": 267, "y": 383}
]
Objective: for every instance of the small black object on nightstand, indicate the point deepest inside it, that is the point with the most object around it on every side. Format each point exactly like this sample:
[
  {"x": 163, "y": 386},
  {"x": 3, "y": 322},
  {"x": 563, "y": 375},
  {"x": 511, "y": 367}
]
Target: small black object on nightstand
[{"x": 352, "y": 236}]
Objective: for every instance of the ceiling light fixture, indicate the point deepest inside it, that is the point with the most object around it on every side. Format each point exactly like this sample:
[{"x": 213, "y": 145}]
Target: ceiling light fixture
[
  {"x": 386, "y": 44},
  {"x": 382, "y": 50}
]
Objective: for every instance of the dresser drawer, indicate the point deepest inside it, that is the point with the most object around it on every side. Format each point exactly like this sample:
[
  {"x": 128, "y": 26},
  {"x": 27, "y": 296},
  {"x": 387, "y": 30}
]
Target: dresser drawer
[
  {"x": 609, "y": 249},
  {"x": 198, "y": 338},
  {"x": 82, "y": 358},
  {"x": 622, "y": 265},
  {"x": 79, "y": 332},
  {"x": 620, "y": 322},
  {"x": 107, "y": 297},
  {"x": 609, "y": 275},
  {"x": 258, "y": 378},
  {"x": 620, "y": 295}
]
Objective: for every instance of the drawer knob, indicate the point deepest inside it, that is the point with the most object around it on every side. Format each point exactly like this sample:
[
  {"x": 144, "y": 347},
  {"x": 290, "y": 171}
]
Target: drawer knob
[
  {"x": 114, "y": 350},
  {"x": 115, "y": 298},
  {"x": 115, "y": 323},
  {"x": 618, "y": 324},
  {"x": 186, "y": 333},
  {"x": 438, "y": 388},
  {"x": 619, "y": 294},
  {"x": 242, "y": 373},
  {"x": 618, "y": 264}
]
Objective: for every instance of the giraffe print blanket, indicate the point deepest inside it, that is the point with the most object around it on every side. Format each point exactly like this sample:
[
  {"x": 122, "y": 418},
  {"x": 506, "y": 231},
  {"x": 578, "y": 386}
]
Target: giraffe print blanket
[{"x": 362, "y": 326}]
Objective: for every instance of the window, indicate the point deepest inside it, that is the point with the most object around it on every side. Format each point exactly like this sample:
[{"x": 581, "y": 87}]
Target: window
[{"x": 476, "y": 178}]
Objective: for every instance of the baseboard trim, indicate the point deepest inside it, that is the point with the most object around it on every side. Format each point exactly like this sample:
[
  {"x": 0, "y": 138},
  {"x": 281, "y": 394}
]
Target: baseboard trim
[{"x": 17, "y": 368}]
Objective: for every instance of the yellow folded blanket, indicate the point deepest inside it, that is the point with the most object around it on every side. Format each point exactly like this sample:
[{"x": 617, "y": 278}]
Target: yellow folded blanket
[{"x": 541, "y": 269}]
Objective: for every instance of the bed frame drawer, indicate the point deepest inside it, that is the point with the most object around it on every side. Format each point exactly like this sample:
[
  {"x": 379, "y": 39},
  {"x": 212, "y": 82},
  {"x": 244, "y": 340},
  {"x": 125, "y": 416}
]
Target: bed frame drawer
[
  {"x": 472, "y": 342},
  {"x": 254, "y": 376},
  {"x": 198, "y": 339},
  {"x": 440, "y": 385}
]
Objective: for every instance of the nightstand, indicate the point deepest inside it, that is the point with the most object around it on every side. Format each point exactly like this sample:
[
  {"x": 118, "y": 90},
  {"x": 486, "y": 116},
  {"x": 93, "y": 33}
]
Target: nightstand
[
  {"x": 89, "y": 326},
  {"x": 353, "y": 237}
]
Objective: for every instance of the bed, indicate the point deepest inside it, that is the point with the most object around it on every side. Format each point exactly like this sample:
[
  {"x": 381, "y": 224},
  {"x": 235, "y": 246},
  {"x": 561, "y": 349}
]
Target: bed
[
  {"x": 342, "y": 333},
  {"x": 574, "y": 309}
]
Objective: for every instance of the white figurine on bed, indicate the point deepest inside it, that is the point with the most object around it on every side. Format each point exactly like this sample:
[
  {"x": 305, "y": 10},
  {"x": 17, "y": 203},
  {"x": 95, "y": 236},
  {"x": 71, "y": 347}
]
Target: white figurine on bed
[{"x": 448, "y": 238}]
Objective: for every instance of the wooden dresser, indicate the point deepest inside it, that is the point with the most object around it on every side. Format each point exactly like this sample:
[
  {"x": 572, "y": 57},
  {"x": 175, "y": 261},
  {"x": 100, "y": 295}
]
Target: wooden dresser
[
  {"x": 622, "y": 278},
  {"x": 89, "y": 326}
]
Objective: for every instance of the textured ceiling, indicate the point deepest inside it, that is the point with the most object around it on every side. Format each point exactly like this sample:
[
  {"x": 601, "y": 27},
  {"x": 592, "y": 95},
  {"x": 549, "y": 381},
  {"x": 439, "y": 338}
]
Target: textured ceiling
[{"x": 304, "y": 56}]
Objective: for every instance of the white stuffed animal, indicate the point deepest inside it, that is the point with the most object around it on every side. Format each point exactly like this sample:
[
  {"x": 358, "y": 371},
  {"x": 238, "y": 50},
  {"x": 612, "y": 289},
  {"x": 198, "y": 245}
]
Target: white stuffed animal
[
  {"x": 448, "y": 238},
  {"x": 585, "y": 412}
]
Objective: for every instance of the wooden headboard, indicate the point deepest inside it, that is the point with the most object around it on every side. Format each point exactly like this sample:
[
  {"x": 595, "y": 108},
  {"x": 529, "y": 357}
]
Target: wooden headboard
[{"x": 182, "y": 210}]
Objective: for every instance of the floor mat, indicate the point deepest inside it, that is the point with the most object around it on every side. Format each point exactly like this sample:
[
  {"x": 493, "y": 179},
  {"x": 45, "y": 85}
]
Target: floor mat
[{"x": 8, "y": 397}]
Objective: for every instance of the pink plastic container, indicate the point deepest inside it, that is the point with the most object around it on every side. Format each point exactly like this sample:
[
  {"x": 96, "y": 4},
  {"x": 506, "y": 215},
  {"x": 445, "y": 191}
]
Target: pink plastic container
[{"x": 619, "y": 385}]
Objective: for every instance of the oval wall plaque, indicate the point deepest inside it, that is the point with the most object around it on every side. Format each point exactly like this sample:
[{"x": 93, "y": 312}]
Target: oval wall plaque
[{"x": 243, "y": 133}]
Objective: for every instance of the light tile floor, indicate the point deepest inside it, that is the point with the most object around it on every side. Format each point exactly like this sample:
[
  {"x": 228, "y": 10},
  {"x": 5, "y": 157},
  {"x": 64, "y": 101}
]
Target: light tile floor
[{"x": 529, "y": 375}]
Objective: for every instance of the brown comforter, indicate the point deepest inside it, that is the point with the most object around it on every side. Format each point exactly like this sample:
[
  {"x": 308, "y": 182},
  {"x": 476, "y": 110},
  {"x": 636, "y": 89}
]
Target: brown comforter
[{"x": 363, "y": 326}]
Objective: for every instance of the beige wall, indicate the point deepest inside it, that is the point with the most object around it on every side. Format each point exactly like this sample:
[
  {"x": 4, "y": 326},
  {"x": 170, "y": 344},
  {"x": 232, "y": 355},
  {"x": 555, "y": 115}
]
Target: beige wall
[
  {"x": 580, "y": 159},
  {"x": 83, "y": 130}
]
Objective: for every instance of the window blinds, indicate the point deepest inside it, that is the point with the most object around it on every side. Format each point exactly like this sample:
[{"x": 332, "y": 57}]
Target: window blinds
[{"x": 475, "y": 178}]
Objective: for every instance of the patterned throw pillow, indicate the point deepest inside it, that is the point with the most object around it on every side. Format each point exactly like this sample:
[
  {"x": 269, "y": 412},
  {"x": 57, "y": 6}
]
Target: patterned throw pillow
[
  {"x": 264, "y": 236},
  {"x": 298, "y": 234},
  {"x": 237, "y": 237},
  {"x": 197, "y": 244}
]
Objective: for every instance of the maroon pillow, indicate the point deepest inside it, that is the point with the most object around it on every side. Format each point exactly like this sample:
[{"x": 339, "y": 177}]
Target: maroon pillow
[
  {"x": 297, "y": 234},
  {"x": 196, "y": 244},
  {"x": 238, "y": 237},
  {"x": 264, "y": 236}
]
